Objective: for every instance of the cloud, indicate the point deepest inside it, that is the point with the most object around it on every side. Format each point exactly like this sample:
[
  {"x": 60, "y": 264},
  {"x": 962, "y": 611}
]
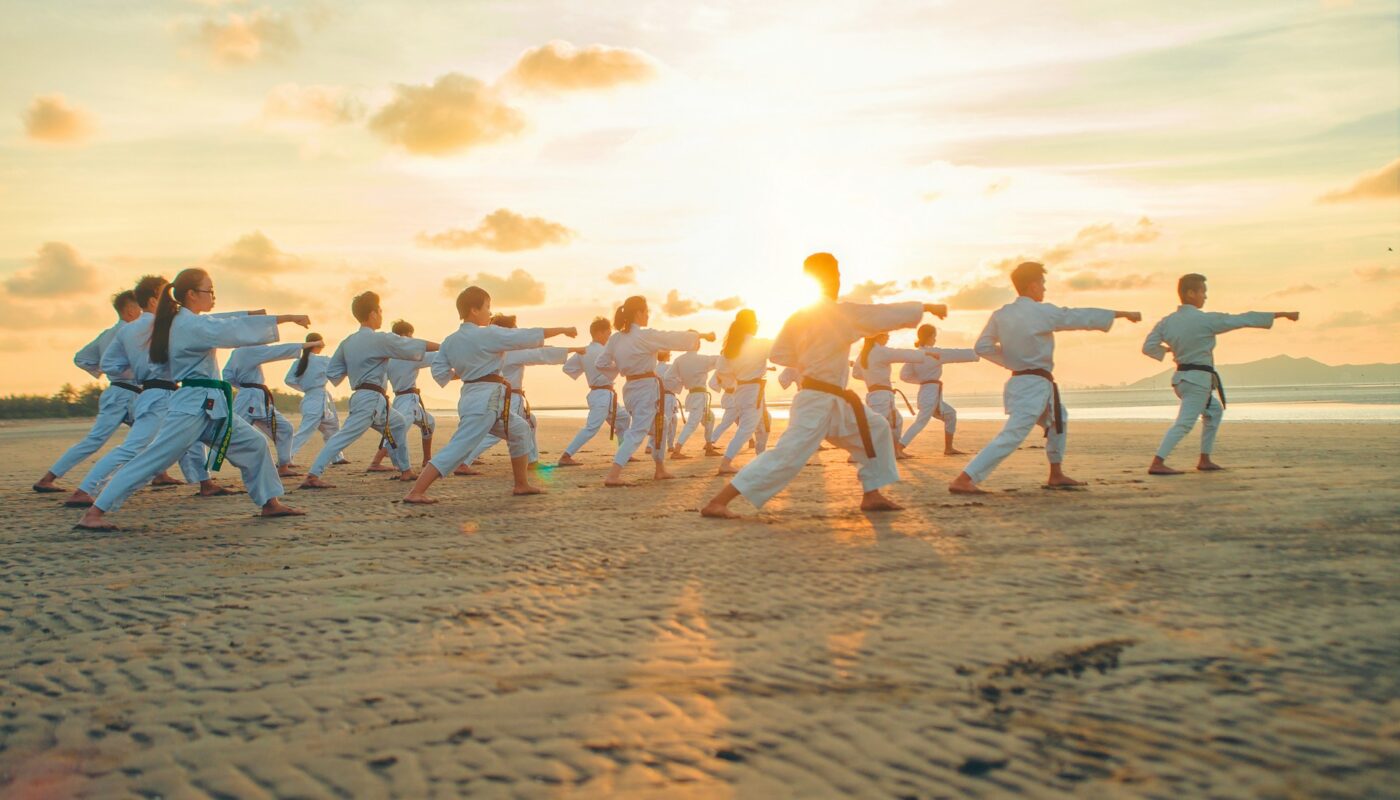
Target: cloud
[
  {"x": 1377, "y": 274},
  {"x": 57, "y": 271},
  {"x": 452, "y": 115},
  {"x": 28, "y": 317},
  {"x": 728, "y": 303},
  {"x": 1302, "y": 288},
  {"x": 560, "y": 65},
  {"x": 1086, "y": 281},
  {"x": 1383, "y": 183},
  {"x": 869, "y": 290},
  {"x": 51, "y": 118},
  {"x": 502, "y": 230},
  {"x": 982, "y": 294},
  {"x": 1093, "y": 236},
  {"x": 623, "y": 276},
  {"x": 318, "y": 105},
  {"x": 255, "y": 254},
  {"x": 519, "y": 289},
  {"x": 676, "y": 306},
  {"x": 1357, "y": 319},
  {"x": 926, "y": 284},
  {"x": 241, "y": 39}
]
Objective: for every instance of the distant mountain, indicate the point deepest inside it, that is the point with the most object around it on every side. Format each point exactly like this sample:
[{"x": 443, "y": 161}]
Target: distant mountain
[{"x": 1287, "y": 371}]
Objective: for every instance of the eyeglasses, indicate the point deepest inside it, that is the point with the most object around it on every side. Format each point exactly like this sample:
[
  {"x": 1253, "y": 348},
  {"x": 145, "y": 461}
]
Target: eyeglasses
[{"x": 209, "y": 292}]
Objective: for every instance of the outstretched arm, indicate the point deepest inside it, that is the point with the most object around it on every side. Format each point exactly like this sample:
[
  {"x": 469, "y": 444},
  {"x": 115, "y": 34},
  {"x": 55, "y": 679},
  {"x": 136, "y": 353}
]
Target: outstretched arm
[
  {"x": 1223, "y": 323},
  {"x": 1154, "y": 346}
]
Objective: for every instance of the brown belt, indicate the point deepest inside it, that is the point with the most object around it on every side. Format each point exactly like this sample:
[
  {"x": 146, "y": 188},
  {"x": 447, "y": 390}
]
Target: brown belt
[
  {"x": 1058, "y": 410},
  {"x": 853, "y": 400},
  {"x": 612, "y": 409},
  {"x": 414, "y": 390},
  {"x": 388, "y": 435},
  {"x": 505, "y": 407},
  {"x": 879, "y": 387},
  {"x": 658, "y": 427}
]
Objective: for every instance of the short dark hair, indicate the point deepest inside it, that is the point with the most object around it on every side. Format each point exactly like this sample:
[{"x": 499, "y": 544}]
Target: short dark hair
[
  {"x": 1189, "y": 282},
  {"x": 599, "y": 324},
  {"x": 363, "y": 305},
  {"x": 121, "y": 299},
  {"x": 925, "y": 331},
  {"x": 402, "y": 327},
  {"x": 824, "y": 268},
  {"x": 1025, "y": 273},
  {"x": 470, "y": 298},
  {"x": 148, "y": 288}
]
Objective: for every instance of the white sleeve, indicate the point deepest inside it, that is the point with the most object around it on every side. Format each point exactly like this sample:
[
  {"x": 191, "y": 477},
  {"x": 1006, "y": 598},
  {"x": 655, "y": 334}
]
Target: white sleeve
[{"x": 1154, "y": 346}]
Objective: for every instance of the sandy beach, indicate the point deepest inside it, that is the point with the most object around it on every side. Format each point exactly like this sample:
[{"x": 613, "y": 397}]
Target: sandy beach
[{"x": 1226, "y": 635}]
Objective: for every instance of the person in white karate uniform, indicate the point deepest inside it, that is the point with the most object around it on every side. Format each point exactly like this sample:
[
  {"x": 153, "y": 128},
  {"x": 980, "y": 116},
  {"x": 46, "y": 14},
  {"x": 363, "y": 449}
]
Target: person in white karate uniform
[
  {"x": 744, "y": 358},
  {"x": 130, "y": 353},
  {"x": 308, "y": 376},
  {"x": 671, "y": 387},
  {"x": 474, "y": 354},
  {"x": 254, "y": 402},
  {"x": 187, "y": 339},
  {"x": 363, "y": 356},
  {"x": 632, "y": 351},
  {"x": 1189, "y": 335},
  {"x": 816, "y": 341},
  {"x": 115, "y": 406},
  {"x": 693, "y": 369},
  {"x": 1020, "y": 336},
  {"x": 723, "y": 382},
  {"x": 928, "y": 376},
  {"x": 874, "y": 366},
  {"x": 408, "y": 401},
  {"x": 603, "y": 404},
  {"x": 513, "y": 370}
]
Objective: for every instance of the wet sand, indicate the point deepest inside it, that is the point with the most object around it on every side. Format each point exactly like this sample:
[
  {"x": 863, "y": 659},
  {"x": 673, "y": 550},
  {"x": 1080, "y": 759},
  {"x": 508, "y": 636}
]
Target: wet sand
[{"x": 1232, "y": 634}]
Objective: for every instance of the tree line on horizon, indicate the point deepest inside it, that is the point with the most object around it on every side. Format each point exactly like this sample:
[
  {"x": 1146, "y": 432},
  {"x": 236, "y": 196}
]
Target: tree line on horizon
[{"x": 73, "y": 401}]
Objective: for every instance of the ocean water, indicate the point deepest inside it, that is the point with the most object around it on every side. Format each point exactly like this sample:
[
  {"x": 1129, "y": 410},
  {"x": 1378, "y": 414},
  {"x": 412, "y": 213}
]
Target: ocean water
[{"x": 1374, "y": 403}]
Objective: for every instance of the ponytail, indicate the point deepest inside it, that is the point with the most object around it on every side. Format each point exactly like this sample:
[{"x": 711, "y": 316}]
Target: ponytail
[
  {"x": 745, "y": 324},
  {"x": 865, "y": 351},
  {"x": 306, "y": 353},
  {"x": 169, "y": 305},
  {"x": 627, "y": 312}
]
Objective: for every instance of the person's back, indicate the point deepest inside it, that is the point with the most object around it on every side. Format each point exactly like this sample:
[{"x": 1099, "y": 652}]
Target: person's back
[{"x": 692, "y": 367}]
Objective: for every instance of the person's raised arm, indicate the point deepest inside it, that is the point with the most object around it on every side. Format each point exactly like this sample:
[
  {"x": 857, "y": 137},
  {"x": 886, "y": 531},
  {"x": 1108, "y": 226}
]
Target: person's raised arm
[
  {"x": 1154, "y": 346},
  {"x": 296, "y": 319},
  {"x": 672, "y": 340},
  {"x": 955, "y": 355},
  {"x": 441, "y": 371},
  {"x": 89, "y": 356},
  {"x": 1223, "y": 323},
  {"x": 336, "y": 368},
  {"x": 550, "y": 333},
  {"x": 988, "y": 344},
  {"x": 873, "y": 319}
]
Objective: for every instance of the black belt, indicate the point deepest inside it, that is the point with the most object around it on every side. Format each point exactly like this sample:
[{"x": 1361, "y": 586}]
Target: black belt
[
  {"x": 169, "y": 386},
  {"x": 271, "y": 408},
  {"x": 612, "y": 409},
  {"x": 853, "y": 400},
  {"x": 1215, "y": 381},
  {"x": 387, "y": 435},
  {"x": 130, "y": 387},
  {"x": 1058, "y": 411},
  {"x": 505, "y": 407}
]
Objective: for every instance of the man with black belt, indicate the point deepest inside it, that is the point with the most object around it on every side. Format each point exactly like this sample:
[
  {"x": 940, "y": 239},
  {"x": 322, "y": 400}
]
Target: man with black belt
[
  {"x": 1189, "y": 334},
  {"x": 816, "y": 341},
  {"x": 1021, "y": 337},
  {"x": 244, "y": 370},
  {"x": 364, "y": 357}
]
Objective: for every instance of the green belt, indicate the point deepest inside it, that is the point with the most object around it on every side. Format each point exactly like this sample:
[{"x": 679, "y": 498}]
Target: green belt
[{"x": 222, "y": 438}]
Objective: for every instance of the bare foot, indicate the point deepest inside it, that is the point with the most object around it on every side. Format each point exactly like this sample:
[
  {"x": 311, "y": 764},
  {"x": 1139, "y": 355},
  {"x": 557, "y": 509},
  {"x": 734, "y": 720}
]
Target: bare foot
[
  {"x": 533, "y": 466},
  {"x": 726, "y": 469},
  {"x": 287, "y": 472},
  {"x": 676, "y": 454},
  {"x": 662, "y": 475},
  {"x": 164, "y": 480},
  {"x": 78, "y": 499},
  {"x": 1206, "y": 465},
  {"x": 314, "y": 482},
  {"x": 718, "y": 511},
  {"x": 1063, "y": 481},
  {"x": 527, "y": 489},
  {"x": 380, "y": 468},
  {"x": 340, "y": 462},
  {"x": 953, "y": 451},
  {"x": 217, "y": 491},
  {"x": 618, "y": 484},
  {"x": 902, "y": 456},
  {"x": 1163, "y": 469},
  {"x": 418, "y": 499},
  {"x": 93, "y": 521},
  {"x": 963, "y": 485},
  {"x": 463, "y": 469},
  {"x": 276, "y": 508},
  {"x": 407, "y": 475},
  {"x": 567, "y": 460},
  {"x": 48, "y": 487},
  {"x": 874, "y": 501}
]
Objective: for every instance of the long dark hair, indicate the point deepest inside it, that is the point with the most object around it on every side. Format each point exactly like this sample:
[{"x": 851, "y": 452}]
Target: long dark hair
[
  {"x": 628, "y": 311},
  {"x": 745, "y": 324},
  {"x": 170, "y": 302},
  {"x": 306, "y": 353},
  {"x": 865, "y": 351}
]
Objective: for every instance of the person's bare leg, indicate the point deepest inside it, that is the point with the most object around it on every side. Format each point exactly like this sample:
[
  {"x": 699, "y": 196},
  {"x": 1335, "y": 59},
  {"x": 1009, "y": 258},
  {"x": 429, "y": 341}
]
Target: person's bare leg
[
  {"x": 718, "y": 507},
  {"x": 276, "y": 508},
  {"x": 419, "y": 493},
  {"x": 568, "y": 460},
  {"x": 312, "y": 481},
  {"x": 520, "y": 470},
  {"x": 1059, "y": 478},
  {"x": 726, "y": 467},
  {"x": 1159, "y": 467},
  {"x": 46, "y": 484},
  {"x": 1206, "y": 465},
  {"x": 948, "y": 448},
  {"x": 427, "y": 448},
  {"x": 712, "y": 450},
  {"x": 676, "y": 453},
  {"x": 164, "y": 478},
  {"x": 899, "y": 453},
  {"x": 874, "y": 501},
  {"x": 963, "y": 485},
  {"x": 377, "y": 465}
]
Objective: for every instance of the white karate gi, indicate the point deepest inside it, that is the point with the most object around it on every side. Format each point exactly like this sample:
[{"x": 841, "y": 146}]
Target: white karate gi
[
  {"x": 317, "y": 408},
  {"x": 723, "y": 383},
  {"x": 601, "y": 395},
  {"x": 672, "y": 385},
  {"x": 633, "y": 352},
  {"x": 196, "y": 414},
  {"x": 751, "y": 412},
  {"x": 876, "y": 372},
  {"x": 1189, "y": 333},
  {"x": 693, "y": 369},
  {"x": 1019, "y": 336},
  {"x": 928, "y": 376},
  {"x": 816, "y": 341},
  {"x": 130, "y": 353},
  {"x": 470, "y": 353},
  {"x": 364, "y": 356},
  {"x": 243, "y": 368},
  {"x": 403, "y": 380},
  {"x": 513, "y": 366},
  {"x": 115, "y": 406}
]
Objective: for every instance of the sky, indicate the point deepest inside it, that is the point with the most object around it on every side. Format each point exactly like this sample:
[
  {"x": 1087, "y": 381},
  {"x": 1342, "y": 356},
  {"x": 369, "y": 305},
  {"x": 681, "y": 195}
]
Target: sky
[{"x": 566, "y": 155}]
